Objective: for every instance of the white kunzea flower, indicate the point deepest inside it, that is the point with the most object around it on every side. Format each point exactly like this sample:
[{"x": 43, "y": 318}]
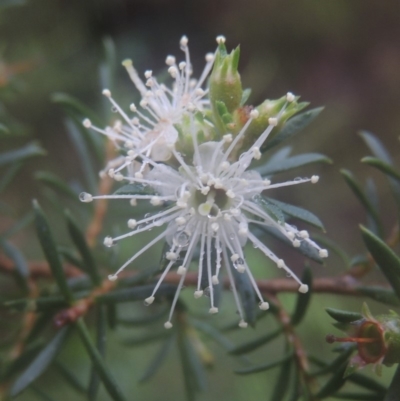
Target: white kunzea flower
[
  {"x": 211, "y": 203},
  {"x": 149, "y": 127}
]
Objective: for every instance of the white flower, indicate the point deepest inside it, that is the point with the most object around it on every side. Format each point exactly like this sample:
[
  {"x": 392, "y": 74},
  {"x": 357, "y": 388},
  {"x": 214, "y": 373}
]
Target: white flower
[
  {"x": 152, "y": 130},
  {"x": 212, "y": 202}
]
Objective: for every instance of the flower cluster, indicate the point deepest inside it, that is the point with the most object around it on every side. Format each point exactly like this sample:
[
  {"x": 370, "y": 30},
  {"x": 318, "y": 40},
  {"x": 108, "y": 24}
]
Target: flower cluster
[{"x": 189, "y": 152}]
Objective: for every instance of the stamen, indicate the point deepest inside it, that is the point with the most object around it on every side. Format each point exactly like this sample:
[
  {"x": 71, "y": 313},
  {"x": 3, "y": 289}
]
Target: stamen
[{"x": 330, "y": 338}]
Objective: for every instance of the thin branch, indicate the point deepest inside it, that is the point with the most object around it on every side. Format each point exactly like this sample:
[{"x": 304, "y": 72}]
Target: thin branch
[
  {"x": 299, "y": 351},
  {"x": 345, "y": 284},
  {"x": 37, "y": 269}
]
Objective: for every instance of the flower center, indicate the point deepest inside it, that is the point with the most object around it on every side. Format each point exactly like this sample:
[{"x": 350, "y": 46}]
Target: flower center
[{"x": 212, "y": 203}]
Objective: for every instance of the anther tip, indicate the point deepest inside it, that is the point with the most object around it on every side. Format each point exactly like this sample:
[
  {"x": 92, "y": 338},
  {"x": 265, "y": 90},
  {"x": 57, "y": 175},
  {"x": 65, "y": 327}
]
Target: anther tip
[
  {"x": 243, "y": 324},
  {"x": 330, "y": 338},
  {"x": 220, "y": 39},
  {"x": 303, "y": 288},
  {"x": 290, "y": 97},
  {"x": 127, "y": 63},
  {"x": 86, "y": 123},
  {"x": 106, "y": 92}
]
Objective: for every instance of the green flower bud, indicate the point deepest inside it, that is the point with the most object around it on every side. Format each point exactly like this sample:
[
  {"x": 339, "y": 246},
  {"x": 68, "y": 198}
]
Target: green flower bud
[
  {"x": 225, "y": 84},
  {"x": 269, "y": 109},
  {"x": 377, "y": 339},
  {"x": 201, "y": 126},
  {"x": 266, "y": 110}
]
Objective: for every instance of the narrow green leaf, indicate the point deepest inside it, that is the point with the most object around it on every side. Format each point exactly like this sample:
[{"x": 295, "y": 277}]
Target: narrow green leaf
[
  {"x": 142, "y": 320},
  {"x": 372, "y": 195},
  {"x": 394, "y": 388},
  {"x": 296, "y": 386},
  {"x": 376, "y": 146},
  {"x": 213, "y": 333},
  {"x": 52, "y": 181},
  {"x": 50, "y": 251},
  {"x": 136, "y": 294},
  {"x": 385, "y": 258},
  {"x": 358, "y": 396},
  {"x": 28, "y": 355},
  {"x": 303, "y": 300},
  {"x": 4, "y": 130},
  {"x": 293, "y": 126},
  {"x": 359, "y": 193},
  {"x": 361, "y": 259},
  {"x": 111, "y": 310},
  {"x": 101, "y": 339},
  {"x": 305, "y": 248},
  {"x": 70, "y": 256},
  {"x": 41, "y": 394},
  {"x": 356, "y": 378},
  {"x": 291, "y": 163},
  {"x": 98, "y": 363},
  {"x": 22, "y": 223},
  {"x": 40, "y": 363},
  {"x": 82, "y": 150},
  {"x": 217, "y": 336},
  {"x": 193, "y": 371},
  {"x": 385, "y": 168},
  {"x": 75, "y": 106},
  {"x": 368, "y": 383},
  {"x": 298, "y": 213},
  {"x": 257, "y": 343},
  {"x": 271, "y": 208},
  {"x": 40, "y": 304},
  {"x": 338, "y": 362},
  {"x": 333, "y": 247},
  {"x": 146, "y": 338},
  {"x": 281, "y": 383},
  {"x": 343, "y": 316},
  {"x": 9, "y": 175},
  {"x": 279, "y": 155},
  {"x": 70, "y": 378},
  {"x": 260, "y": 314},
  {"x": 32, "y": 149},
  {"x": 380, "y": 294},
  {"x": 245, "y": 96},
  {"x": 336, "y": 381},
  {"x": 264, "y": 367},
  {"x": 141, "y": 277},
  {"x": 21, "y": 267},
  {"x": 79, "y": 240},
  {"x": 247, "y": 295},
  {"x": 381, "y": 153},
  {"x": 158, "y": 359},
  {"x": 107, "y": 71},
  {"x": 43, "y": 321},
  {"x": 135, "y": 189}
]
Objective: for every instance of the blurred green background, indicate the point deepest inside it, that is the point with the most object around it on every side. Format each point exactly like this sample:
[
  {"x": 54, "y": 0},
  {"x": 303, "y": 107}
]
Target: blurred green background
[{"x": 343, "y": 54}]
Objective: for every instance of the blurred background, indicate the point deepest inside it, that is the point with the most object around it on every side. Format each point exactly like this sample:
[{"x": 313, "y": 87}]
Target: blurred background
[{"x": 342, "y": 54}]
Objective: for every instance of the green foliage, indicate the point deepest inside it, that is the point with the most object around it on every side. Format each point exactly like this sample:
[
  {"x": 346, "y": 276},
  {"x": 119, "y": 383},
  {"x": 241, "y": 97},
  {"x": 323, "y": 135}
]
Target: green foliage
[
  {"x": 293, "y": 127},
  {"x": 40, "y": 363},
  {"x": 75, "y": 295}
]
